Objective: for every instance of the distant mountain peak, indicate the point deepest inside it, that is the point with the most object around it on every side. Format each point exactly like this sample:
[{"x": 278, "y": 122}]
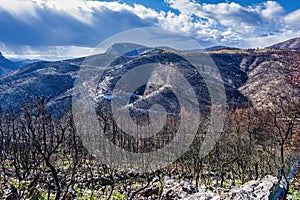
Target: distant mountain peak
[
  {"x": 217, "y": 48},
  {"x": 124, "y": 48},
  {"x": 131, "y": 49}
]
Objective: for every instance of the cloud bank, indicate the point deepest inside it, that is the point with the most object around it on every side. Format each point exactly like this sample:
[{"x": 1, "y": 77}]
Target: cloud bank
[{"x": 54, "y": 24}]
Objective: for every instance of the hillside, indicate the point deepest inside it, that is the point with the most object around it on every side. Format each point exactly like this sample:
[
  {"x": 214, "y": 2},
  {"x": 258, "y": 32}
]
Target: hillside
[
  {"x": 292, "y": 44},
  {"x": 216, "y": 48},
  {"x": 23, "y": 62},
  {"x": 6, "y": 65},
  {"x": 247, "y": 150},
  {"x": 252, "y": 78},
  {"x": 272, "y": 77}
]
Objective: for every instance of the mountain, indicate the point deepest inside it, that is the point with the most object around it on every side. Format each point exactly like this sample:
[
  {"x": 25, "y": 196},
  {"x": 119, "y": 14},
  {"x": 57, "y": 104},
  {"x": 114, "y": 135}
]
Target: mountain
[
  {"x": 273, "y": 77},
  {"x": 292, "y": 44},
  {"x": 217, "y": 48},
  {"x": 250, "y": 77},
  {"x": 6, "y": 65},
  {"x": 54, "y": 80},
  {"x": 43, "y": 79}
]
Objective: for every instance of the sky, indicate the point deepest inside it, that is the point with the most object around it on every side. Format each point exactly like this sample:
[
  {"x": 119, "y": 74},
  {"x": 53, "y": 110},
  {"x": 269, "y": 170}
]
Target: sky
[{"x": 58, "y": 29}]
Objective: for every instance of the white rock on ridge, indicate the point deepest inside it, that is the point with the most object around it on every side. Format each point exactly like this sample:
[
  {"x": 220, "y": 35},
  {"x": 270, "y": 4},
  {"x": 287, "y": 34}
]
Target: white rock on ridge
[
  {"x": 256, "y": 189},
  {"x": 173, "y": 189},
  {"x": 260, "y": 189}
]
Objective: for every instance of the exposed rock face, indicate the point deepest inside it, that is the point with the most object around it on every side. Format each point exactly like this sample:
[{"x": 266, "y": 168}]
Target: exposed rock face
[
  {"x": 261, "y": 189},
  {"x": 170, "y": 189},
  {"x": 184, "y": 190}
]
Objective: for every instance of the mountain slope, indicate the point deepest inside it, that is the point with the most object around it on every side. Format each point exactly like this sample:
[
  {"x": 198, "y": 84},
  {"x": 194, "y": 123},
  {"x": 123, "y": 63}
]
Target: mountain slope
[
  {"x": 292, "y": 44},
  {"x": 6, "y": 65},
  {"x": 54, "y": 80},
  {"x": 272, "y": 77},
  {"x": 44, "y": 79},
  {"x": 217, "y": 48},
  {"x": 23, "y": 62},
  {"x": 250, "y": 77}
]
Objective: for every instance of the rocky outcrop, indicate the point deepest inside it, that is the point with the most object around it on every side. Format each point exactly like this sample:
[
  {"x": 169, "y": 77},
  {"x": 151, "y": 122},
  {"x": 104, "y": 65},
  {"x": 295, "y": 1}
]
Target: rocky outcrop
[
  {"x": 170, "y": 189},
  {"x": 173, "y": 189},
  {"x": 261, "y": 189},
  {"x": 257, "y": 189}
]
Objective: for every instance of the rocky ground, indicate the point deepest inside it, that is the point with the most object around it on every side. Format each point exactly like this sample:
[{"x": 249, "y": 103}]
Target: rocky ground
[
  {"x": 257, "y": 189},
  {"x": 170, "y": 189}
]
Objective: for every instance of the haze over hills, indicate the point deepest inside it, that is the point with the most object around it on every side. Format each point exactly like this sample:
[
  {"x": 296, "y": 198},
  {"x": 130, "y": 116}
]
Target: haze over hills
[
  {"x": 250, "y": 77},
  {"x": 6, "y": 65},
  {"x": 23, "y": 62}
]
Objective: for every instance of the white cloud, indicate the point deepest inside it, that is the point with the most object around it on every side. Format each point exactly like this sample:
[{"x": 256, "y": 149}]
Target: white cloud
[
  {"x": 46, "y": 53},
  {"x": 82, "y": 10},
  {"x": 271, "y": 10},
  {"x": 292, "y": 20},
  {"x": 268, "y": 40},
  {"x": 82, "y": 23},
  {"x": 224, "y": 18},
  {"x": 70, "y": 22}
]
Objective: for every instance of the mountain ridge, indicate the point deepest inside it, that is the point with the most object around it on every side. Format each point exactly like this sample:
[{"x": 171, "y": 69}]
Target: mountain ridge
[
  {"x": 291, "y": 44},
  {"x": 6, "y": 65},
  {"x": 255, "y": 78}
]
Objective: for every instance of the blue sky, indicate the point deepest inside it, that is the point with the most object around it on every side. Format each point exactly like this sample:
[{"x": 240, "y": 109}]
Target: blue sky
[
  {"x": 289, "y": 5},
  {"x": 54, "y": 29}
]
